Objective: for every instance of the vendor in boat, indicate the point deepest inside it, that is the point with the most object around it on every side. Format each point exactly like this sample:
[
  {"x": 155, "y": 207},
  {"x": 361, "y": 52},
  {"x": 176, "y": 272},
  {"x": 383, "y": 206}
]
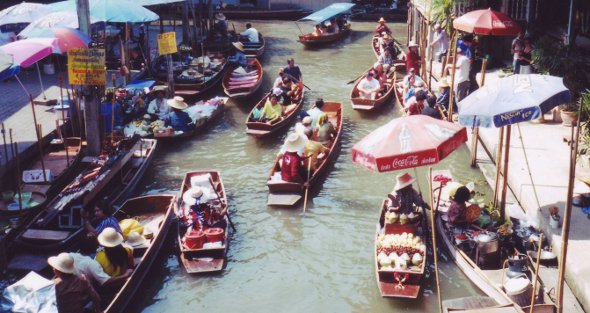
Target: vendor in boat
[
  {"x": 159, "y": 106},
  {"x": 72, "y": 293},
  {"x": 292, "y": 168},
  {"x": 317, "y": 31},
  {"x": 341, "y": 22},
  {"x": 413, "y": 59},
  {"x": 382, "y": 28},
  {"x": 404, "y": 196},
  {"x": 239, "y": 57},
  {"x": 444, "y": 95},
  {"x": 178, "y": 119},
  {"x": 114, "y": 258},
  {"x": 250, "y": 34},
  {"x": 457, "y": 214},
  {"x": 292, "y": 71},
  {"x": 102, "y": 219},
  {"x": 220, "y": 26},
  {"x": 369, "y": 87},
  {"x": 325, "y": 131},
  {"x": 202, "y": 214},
  {"x": 272, "y": 111}
]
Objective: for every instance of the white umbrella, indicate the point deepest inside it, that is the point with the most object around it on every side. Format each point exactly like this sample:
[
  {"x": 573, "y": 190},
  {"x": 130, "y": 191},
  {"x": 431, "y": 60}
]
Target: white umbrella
[
  {"x": 146, "y": 3},
  {"x": 119, "y": 11},
  {"x": 51, "y": 20},
  {"x": 23, "y": 13},
  {"x": 512, "y": 99}
]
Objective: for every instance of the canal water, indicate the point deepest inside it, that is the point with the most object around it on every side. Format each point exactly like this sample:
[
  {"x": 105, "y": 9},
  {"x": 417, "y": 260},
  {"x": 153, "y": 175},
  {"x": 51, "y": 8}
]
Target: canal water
[{"x": 284, "y": 260}]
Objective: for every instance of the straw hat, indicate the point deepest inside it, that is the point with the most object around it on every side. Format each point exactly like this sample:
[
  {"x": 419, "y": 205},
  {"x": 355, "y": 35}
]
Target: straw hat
[
  {"x": 63, "y": 262},
  {"x": 295, "y": 142},
  {"x": 386, "y": 37},
  {"x": 109, "y": 238},
  {"x": 136, "y": 240},
  {"x": 437, "y": 26},
  {"x": 177, "y": 103},
  {"x": 238, "y": 45},
  {"x": 190, "y": 196},
  {"x": 161, "y": 88},
  {"x": 443, "y": 83},
  {"x": 381, "y": 20},
  {"x": 412, "y": 44},
  {"x": 220, "y": 16},
  {"x": 403, "y": 180},
  {"x": 307, "y": 120}
]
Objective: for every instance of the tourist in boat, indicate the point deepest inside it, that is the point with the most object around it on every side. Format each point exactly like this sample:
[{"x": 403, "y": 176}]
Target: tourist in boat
[
  {"x": 382, "y": 27},
  {"x": 440, "y": 42},
  {"x": 341, "y": 22},
  {"x": 380, "y": 74},
  {"x": 411, "y": 75},
  {"x": 102, "y": 219},
  {"x": 413, "y": 88},
  {"x": 385, "y": 58},
  {"x": 292, "y": 169},
  {"x": 178, "y": 119},
  {"x": 159, "y": 107},
  {"x": 431, "y": 109},
  {"x": 239, "y": 57},
  {"x": 317, "y": 31},
  {"x": 413, "y": 59},
  {"x": 220, "y": 26},
  {"x": 279, "y": 80},
  {"x": 114, "y": 258},
  {"x": 386, "y": 43},
  {"x": 368, "y": 87},
  {"x": 444, "y": 95},
  {"x": 325, "y": 131},
  {"x": 203, "y": 215},
  {"x": 292, "y": 71},
  {"x": 72, "y": 293},
  {"x": 250, "y": 34},
  {"x": 290, "y": 92},
  {"x": 415, "y": 105},
  {"x": 457, "y": 214},
  {"x": 272, "y": 110},
  {"x": 313, "y": 151},
  {"x": 404, "y": 196},
  {"x": 304, "y": 126},
  {"x": 332, "y": 28},
  {"x": 316, "y": 111}
]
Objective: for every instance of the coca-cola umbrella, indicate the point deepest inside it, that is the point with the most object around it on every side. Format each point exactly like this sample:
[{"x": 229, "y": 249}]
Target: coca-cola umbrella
[
  {"x": 408, "y": 142},
  {"x": 487, "y": 22}
]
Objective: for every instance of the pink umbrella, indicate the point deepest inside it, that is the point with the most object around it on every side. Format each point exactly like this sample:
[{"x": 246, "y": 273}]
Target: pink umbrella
[
  {"x": 408, "y": 142},
  {"x": 487, "y": 22},
  {"x": 28, "y": 52},
  {"x": 67, "y": 38}
]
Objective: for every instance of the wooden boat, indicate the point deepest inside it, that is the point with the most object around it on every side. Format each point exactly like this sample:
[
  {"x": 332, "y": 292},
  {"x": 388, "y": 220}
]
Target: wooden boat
[
  {"x": 394, "y": 281},
  {"x": 368, "y": 104},
  {"x": 282, "y": 193},
  {"x": 255, "y": 49},
  {"x": 400, "y": 59},
  {"x": 260, "y": 129},
  {"x": 59, "y": 226},
  {"x": 309, "y": 40},
  {"x": 202, "y": 112},
  {"x": 154, "y": 213},
  {"x": 258, "y": 14},
  {"x": 243, "y": 85},
  {"x": 489, "y": 281},
  {"x": 478, "y": 305},
  {"x": 399, "y": 90},
  {"x": 206, "y": 259}
]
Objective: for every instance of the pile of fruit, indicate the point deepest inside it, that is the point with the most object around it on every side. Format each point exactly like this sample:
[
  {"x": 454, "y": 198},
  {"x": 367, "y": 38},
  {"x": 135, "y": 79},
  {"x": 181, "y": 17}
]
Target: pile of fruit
[{"x": 394, "y": 251}]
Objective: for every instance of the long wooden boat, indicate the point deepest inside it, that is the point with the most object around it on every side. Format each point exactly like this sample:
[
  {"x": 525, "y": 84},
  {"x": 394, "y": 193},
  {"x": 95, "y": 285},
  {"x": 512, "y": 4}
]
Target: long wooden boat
[
  {"x": 257, "y": 14},
  {"x": 489, "y": 281},
  {"x": 285, "y": 194},
  {"x": 154, "y": 213},
  {"x": 255, "y": 49},
  {"x": 208, "y": 259},
  {"x": 399, "y": 63},
  {"x": 359, "y": 103},
  {"x": 260, "y": 129},
  {"x": 236, "y": 85},
  {"x": 309, "y": 40},
  {"x": 394, "y": 281},
  {"x": 59, "y": 226},
  {"x": 478, "y": 305}
]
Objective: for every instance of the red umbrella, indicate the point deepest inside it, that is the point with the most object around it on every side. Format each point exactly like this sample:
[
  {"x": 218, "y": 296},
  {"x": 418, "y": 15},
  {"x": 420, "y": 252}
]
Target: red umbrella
[
  {"x": 487, "y": 22},
  {"x": 408, "y": 142}
]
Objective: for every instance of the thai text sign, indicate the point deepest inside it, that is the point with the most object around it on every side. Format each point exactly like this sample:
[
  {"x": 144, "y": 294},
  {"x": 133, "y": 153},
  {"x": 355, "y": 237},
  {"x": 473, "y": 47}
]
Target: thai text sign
[
  {"x": 86, "y": 67},
  {"x": 167, "y": 43}
]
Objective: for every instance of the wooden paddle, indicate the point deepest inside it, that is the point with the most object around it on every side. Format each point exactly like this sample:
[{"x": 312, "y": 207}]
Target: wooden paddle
[
  {"x": 352, "y": 81},
  {"x": 233, "y": 227},
  {"x": 296, "y": 80},
  {"x": 307, "y": 187}
]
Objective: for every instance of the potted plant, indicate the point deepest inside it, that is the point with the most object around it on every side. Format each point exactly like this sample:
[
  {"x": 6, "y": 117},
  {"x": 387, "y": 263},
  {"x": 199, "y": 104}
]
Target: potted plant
[{"x": 569, "y": 114}]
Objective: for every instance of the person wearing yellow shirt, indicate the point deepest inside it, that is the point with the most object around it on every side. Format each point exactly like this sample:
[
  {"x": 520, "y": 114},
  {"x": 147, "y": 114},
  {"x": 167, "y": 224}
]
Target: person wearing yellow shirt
[
  {"x": 114, "y": 258},
  {"x": 273, "y": 110},
  {"x": 314, "y": 150}
]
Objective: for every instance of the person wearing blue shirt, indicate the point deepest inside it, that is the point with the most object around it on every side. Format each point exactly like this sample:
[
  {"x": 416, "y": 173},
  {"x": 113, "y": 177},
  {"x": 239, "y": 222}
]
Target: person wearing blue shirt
[
  {"x": 178, "y": 119},
  {"x": 239, "y": 57},
  {"x": 102, "y": 219},
  {"x": 293, "y": 71}
]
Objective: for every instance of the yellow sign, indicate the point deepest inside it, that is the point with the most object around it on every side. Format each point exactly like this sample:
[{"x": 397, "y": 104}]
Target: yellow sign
[
  {"x": 86, "y": 67},
  {"x": 167, "y": 43}
]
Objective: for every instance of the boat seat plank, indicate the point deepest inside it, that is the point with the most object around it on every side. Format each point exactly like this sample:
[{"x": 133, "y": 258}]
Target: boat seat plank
[
  {"x": 503, "y": 309},
  {"x": 494, "y": 276},
  {"x": 186, "y": 92},
  {"x": 392, "y": 290},
  {"x": 201, "y": 266},
  {"x": 45, "y": 234},
  {"x": 27, "y": 262},
  {"x": 257, "y": 131},
  {"x": 470, "y": 303},
  {"x": 283, "y": 199}
]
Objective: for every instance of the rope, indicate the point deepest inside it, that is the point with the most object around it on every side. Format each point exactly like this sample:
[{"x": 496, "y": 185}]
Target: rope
[{"x": 526, "y": 159}]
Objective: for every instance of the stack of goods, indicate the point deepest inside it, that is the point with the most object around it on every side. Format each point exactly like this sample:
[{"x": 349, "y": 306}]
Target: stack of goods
[
  {"x": 240, "y": 78},
  {"x": 143, "y": 128},
  {"x": 392, "y": 217},
  {"x": 202, "y": 112},
  {"x": 394, "y": 251}
]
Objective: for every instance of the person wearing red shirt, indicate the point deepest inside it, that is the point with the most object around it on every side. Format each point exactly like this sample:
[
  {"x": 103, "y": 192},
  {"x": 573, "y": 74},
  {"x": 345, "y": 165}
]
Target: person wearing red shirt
[
  {"x": 292, "y": 169},
  {"x": 413, "y": 59},
  {"x": 382, "y": 28}
]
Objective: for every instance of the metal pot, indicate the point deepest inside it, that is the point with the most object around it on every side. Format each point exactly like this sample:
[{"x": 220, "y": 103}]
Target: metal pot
[{"x": 517, "y": 264}]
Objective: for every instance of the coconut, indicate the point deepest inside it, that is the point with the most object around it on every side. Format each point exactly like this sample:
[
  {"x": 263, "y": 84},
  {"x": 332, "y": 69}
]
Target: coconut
[
  {"x": 403, "y": 218},
  {"x": 385, "y": 262},
  {"x": 417, "y": 259}
]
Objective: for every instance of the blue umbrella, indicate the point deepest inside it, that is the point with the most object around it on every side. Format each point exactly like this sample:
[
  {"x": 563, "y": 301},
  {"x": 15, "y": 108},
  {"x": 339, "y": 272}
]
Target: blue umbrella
[
  {"x": 119, "y": 11},
  {"x": 7, "y": 66}
]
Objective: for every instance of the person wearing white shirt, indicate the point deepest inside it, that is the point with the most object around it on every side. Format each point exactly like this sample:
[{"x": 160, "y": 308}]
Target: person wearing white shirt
[
  {"x": 158, "y": 106},
  {"x": 440, "y": 42},
  {"x": 368, "y": 87},
  {"x": 462, "y": 75},
  {"x": 316, "y": 111},
  {"x": 251, "y": 33}
]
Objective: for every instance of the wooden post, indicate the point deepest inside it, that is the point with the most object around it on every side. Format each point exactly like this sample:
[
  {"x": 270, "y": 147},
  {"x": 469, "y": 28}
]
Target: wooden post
[
  {"x": 453, "y": 70},
  {"x": 433, "y": 232},
  {"x": 114, "y": 80},
  {"x": 63, "y": 140},
  {"x": 12, "y": 152},
  {"x": 505, "y": 173},
  {"x": 475, "y": 136},
  {"x": 498, "y": 166},
  {"x": 448, "y": 56},
  {"x": 18, "y": 180},
  {"x": 61, "y": 95},
  {"x": 40, "y": 141},
  {"x": 4, "y": 141}
]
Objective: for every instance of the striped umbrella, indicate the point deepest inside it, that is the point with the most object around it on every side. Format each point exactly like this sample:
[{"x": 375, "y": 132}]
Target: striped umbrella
[{"x": 68, "y": 38}]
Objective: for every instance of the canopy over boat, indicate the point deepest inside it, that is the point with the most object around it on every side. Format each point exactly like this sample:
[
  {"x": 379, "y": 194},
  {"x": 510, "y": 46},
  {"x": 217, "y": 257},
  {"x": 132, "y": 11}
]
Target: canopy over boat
[{"x": 328, "y": 12}]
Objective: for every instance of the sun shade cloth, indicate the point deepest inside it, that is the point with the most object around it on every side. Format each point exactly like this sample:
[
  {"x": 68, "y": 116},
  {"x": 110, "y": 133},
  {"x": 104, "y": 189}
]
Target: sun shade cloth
[{"x": 328, "y": 12}]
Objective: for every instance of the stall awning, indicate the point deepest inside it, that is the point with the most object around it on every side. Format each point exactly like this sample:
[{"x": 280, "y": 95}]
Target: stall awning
[{"x": 328, "y": 12}]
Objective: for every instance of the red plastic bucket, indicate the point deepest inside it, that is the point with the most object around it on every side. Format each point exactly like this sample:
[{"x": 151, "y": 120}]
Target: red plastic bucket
[
  {"x": 194, "y": 240},
  {"x": 214, "y": 234}
]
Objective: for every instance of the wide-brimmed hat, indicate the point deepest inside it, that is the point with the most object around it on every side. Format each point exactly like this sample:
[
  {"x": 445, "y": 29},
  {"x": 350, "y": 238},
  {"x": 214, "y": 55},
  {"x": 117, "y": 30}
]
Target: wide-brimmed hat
[
  {"x": 295, "y": 142},
  {"x": 109, "y": 238},
  {"x": 190, "y": 196},
  {"x": 177, "y": 103},
  {"x": 238, "y": 45},
  {"x": 63, "y": 262},
  {"x": 158, "y": 88},
  {"x": 136, "y": 240},
  {"x": 307, "y": 120},
  {"x": 437, "y": 26},
  {"x": 403, "y": 180},
  {"x": 443, "y": 83},
  {"x": 381, "y": 20},
  {"x": 412, "y": 43},
  {"x": 220, "y": 16}
]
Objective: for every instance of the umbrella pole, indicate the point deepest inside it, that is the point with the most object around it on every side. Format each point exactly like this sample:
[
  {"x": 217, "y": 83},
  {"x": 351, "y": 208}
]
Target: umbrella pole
[
  {"x": 417, "y": 181},
  {"x": 61, "y": 95},
  {"x": 18, "y": 182},
  {"x": 12, "y": 154},
  {"x": 431, "y": 59},
  {"x": 453, "y": 70},
  {"x": 63, "y": 140},
  {"x": 505, "y": 174},
  {"x": 40, "y": 139},
  {"x": 475, "y": 137},
  {"x": 21, "y": 84},
  {"x": 498, "y": 165},
  {"x": 4, "y": 141},
  {"x": 41, "y": 81},
  {"x": 433, "y": 231},
  {"x": 114, "y": 79}
]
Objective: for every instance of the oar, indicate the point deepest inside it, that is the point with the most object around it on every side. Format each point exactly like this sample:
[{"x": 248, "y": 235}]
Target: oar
[
  {"x": 295, "y": 79},
  {"x": 307, "y": 187},
  {"x": 233, "y": 227},
  {"x": 434, "y": 249},
  {"x": 352, "y": 81}
]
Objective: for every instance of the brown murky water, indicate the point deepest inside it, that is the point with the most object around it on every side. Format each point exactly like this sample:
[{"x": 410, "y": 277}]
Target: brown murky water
[{"x": 283, "y": 260}]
